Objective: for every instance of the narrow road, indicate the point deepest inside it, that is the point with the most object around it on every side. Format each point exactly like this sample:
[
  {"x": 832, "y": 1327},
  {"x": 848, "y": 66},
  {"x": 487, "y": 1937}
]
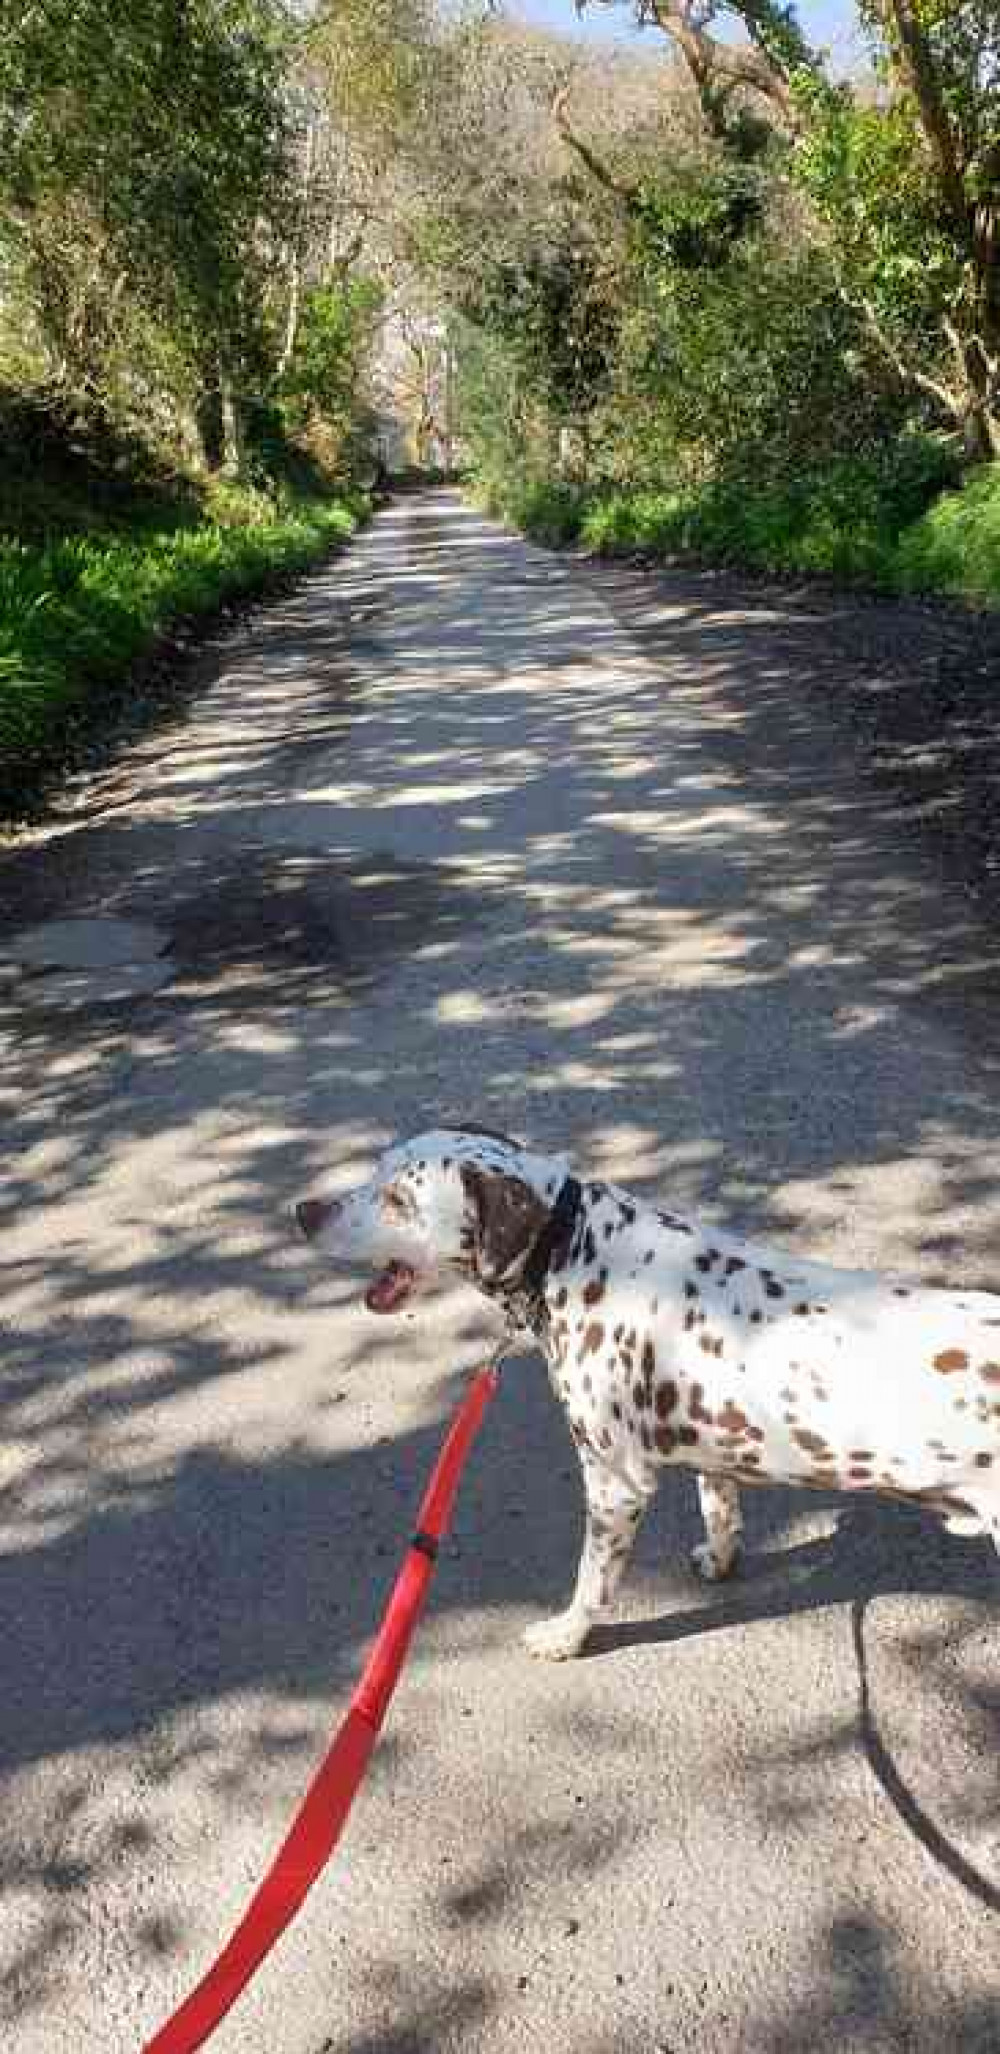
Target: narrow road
[{"x": 463, "y": 830}]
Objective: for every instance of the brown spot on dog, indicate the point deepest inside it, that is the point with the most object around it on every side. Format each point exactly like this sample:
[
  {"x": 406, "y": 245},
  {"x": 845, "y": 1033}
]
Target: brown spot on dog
[
  {"x": 900, "y": 1291},
  {"x": 664, "y": 1440},
  {"x": 691, "y": 1288},
  {"x": 859, "y": 1473},
  {"x": 861, "y": 1455},
  {"x": 594, "y": 1291},
  {"x": 951, "y": 1359},
  {"x": 689, "y": 1321},
  {"x": 638, "y": 1396},
  {"x": 666, "y": 1399},
  {"x": 688, "y": 1436},
  {"x": 734, "y": 1263},
  {"x": 593, "y": 1338},
  {"x": 990, "y": 1372},
  {"x": 814, "y": 1444},
  {"x": 648, "y": 1360},
  {"x": 771, "y": 1285},
  {"x": 984, "y": 1461},
  {"x": 801, "y": 1309},
  {"x": 704, "y": 1263},
  {"x": 695, "y": 1406},
  {"x": 755, "y": 1317},
  {"x": 731, "y": 1419}
]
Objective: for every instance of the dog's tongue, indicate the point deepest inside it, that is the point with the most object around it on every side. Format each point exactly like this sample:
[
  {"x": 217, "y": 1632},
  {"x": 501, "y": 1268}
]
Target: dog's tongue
[{"x": 390, "y": 1289}]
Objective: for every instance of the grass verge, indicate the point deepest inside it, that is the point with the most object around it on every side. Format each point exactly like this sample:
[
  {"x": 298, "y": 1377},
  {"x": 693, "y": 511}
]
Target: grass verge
[
  {"x": 897, "y": 523},
  {"x": 77, "y": 612}
]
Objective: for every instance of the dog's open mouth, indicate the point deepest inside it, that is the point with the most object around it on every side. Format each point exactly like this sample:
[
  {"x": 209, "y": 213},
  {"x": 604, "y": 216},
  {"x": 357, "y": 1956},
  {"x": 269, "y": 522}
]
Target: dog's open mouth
[{"x": 391, "y": 1288}]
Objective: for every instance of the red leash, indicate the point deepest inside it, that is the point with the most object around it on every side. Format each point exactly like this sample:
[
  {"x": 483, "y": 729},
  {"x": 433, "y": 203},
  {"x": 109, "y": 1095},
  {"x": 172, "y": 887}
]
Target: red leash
[{"x": 321, "y": 1817}]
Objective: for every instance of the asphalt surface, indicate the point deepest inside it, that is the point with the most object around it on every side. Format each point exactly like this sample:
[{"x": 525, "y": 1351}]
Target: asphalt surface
[{"x": 462, "y": 830}]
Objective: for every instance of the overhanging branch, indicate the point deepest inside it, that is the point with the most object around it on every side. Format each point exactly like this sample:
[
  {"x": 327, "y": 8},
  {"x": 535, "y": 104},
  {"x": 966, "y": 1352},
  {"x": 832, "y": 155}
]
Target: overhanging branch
[{"x": 623, "y": 192}]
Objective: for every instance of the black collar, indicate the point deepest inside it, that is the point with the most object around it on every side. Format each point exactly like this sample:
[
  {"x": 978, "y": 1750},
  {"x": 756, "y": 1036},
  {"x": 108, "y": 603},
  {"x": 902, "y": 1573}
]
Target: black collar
[{"x": 557, "y": 1233}]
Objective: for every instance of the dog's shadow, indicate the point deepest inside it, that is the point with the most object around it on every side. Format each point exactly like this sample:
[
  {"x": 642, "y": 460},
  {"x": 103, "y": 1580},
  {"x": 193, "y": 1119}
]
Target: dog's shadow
[{"x": 875, "y": 1550}]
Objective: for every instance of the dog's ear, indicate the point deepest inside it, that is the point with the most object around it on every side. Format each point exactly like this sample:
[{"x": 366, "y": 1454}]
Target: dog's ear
[{"x": 507, "y": 1217}]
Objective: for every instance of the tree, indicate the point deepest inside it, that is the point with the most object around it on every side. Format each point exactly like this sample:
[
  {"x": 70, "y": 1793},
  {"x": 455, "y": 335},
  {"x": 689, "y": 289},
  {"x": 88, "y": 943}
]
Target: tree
[
  {"x": 910, "y": 185},
  {"x": 143, "y": 175},
  {"x": 942, "y": 58}
]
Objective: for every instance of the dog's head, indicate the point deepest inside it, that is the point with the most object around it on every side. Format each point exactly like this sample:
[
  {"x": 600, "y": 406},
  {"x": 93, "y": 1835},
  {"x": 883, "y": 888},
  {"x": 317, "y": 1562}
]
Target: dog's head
[{"x": 457, "y": 1200}]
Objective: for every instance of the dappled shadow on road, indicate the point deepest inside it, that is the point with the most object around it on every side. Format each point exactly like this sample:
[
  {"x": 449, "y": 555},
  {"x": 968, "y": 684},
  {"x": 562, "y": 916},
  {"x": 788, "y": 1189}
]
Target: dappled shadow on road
[
  {"x": 436, "y": 850},
  {"x": 868, "y": 1997}
]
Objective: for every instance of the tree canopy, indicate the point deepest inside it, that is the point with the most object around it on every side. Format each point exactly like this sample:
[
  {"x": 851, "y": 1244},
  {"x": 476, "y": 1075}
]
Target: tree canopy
[{"x": 702, "y": 253}]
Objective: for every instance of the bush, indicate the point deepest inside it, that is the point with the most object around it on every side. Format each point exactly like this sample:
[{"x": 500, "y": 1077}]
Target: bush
[
  {"x": 955, "y": 546},
  {"x": 891, "y": 520}
]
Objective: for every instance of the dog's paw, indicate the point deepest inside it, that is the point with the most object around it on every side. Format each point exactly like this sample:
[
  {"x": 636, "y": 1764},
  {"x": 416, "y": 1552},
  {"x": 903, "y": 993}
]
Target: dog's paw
[
  {"x": 713, "y": 1565},
  {"x": 556, "y": 1640}
]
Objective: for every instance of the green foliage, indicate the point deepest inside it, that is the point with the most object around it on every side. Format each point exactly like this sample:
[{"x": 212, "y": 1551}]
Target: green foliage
[
  {"x": 334, "y": 337},
  {"x": 866, "y": 173},
  {"x": 897, "y": 521},
  {"x": 955, "y": 547},
  {"x": 552, "y": 314},
  {"x": 751, "y": 366},
  {"x": 142, "y": 154},
  {"x": 694, "y": 220},
  {"x": 550, "y": 512},
  {"x": 77, "y": 613}
]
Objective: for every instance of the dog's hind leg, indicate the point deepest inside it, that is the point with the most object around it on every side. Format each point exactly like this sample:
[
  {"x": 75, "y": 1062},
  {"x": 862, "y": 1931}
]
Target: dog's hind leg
[
  {"x": 720, "y": 1552},
  {"x": 614, "y": 1513}
]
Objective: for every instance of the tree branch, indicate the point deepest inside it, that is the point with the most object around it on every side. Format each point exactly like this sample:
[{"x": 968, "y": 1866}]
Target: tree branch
[
  {"x": 713, "y": 64},
  {"x": 914, "y": 63},
  {"x": 711, "y": 61},
  {"x": 624, "y": 193},
  {"x": 907, "y": 374}
]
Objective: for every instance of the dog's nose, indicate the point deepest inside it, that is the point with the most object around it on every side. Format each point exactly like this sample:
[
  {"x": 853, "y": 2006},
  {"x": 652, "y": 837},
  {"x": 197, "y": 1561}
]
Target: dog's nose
[{"x": 313, "y": 1213}]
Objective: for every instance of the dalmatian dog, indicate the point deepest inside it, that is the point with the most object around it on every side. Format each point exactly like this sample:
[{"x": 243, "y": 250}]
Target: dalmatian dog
[{"x": 673, "y": 1344}]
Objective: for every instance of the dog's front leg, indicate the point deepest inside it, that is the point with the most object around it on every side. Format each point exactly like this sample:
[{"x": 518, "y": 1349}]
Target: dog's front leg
[{"x": 614, "y": 1512}]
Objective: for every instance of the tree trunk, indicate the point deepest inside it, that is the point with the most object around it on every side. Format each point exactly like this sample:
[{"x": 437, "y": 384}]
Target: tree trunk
[
  {"x": 218, "y": 421},
  {"x": 232, "y": 430},
  {"x": 209, "y": 420}
]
